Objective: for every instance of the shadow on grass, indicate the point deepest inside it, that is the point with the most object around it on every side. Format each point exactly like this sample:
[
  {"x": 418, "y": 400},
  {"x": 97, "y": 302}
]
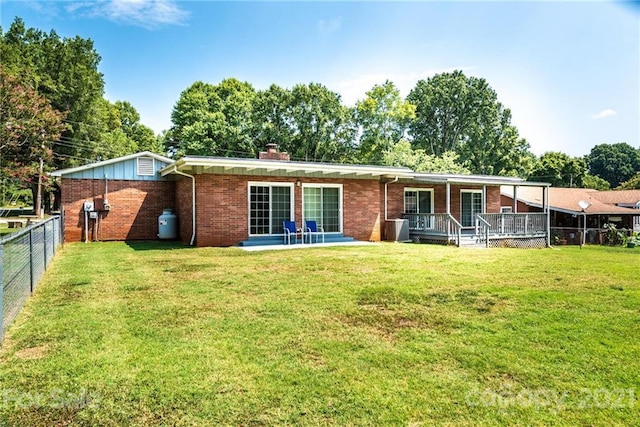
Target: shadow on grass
[{"x": 155, "y": 245}]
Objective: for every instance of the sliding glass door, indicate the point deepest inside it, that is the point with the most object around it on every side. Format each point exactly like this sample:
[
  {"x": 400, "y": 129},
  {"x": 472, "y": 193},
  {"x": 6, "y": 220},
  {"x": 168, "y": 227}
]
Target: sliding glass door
[
  {"x": 269, "y": 205},
  {"x": 323, "y": 203},
  {"x": 471, "y": 204}
]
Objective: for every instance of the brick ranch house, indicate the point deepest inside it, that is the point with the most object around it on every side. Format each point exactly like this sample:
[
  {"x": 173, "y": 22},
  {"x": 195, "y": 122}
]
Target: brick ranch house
[{"x": 230, "y": 201}]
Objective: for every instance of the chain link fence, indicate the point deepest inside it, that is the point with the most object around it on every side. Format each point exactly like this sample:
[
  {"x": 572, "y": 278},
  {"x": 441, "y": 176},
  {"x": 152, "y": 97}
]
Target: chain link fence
[{"x": 24, "y": 257}]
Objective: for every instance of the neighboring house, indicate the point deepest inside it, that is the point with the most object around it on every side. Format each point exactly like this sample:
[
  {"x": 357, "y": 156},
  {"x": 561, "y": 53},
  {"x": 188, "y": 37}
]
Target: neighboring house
[
  {"x": 229, "y": 201},
  {"x": 569, "y": 220}
]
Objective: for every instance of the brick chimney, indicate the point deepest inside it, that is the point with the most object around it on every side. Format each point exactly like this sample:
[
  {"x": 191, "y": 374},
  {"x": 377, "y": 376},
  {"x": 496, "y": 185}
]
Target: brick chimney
[{"x": 273, "y": 154}]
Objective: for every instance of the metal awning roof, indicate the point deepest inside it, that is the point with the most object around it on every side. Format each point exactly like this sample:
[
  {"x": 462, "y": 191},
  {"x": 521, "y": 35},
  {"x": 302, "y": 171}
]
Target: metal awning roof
[
  {"x": 261, "y": 167},
  {"x": 475, "y": 179}
]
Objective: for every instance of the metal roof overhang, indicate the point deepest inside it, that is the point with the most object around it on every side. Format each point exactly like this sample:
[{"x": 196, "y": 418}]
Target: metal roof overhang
[
  {"x": 476, "y": 180},
  {"x": 256, "y": 167}
]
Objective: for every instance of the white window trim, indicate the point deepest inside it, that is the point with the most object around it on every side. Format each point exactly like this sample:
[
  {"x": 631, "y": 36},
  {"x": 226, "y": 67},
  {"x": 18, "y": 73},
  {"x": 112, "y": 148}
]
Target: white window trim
[
  {"x": 506, "y": 209},
  {"x": 153, "y": 166},
  {"x": 404, "y": 198},
  {"x": 340, "y": 205},
  {"x": 269, "y": 184}
]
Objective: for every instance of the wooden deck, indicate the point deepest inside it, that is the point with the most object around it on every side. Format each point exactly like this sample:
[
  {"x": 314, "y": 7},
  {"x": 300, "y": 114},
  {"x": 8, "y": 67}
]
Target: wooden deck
[{"x": 491, "y": 230}]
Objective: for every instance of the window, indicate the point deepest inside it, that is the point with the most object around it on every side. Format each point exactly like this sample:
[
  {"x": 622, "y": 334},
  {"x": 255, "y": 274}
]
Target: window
[
  {"x": 323, "y": 203},
  {"x": 269, "y": 205},
  {"x": 471, "y": 205},
  {"x": 146, "y": 166},
  {"x": 506, "y": 209},
  {"x": 418, "y": 201}
]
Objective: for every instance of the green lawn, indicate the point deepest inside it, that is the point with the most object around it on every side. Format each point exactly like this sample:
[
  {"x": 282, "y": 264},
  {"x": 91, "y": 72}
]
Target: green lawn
[{"x": 395, "y": 334}]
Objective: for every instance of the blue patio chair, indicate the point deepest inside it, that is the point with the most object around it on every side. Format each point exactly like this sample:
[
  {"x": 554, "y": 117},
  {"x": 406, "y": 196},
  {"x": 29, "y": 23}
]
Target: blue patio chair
[
  {"x": 290, "y": 229},
  {"x": 312, "y": 229}
]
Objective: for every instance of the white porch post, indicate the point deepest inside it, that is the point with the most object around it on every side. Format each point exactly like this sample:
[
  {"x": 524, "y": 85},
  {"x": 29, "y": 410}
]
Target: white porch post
[
  {"x": 545, "y": 204},
  {"x": 448, "y": 199},
  {"x": 515, "y": 198},
  {"x": 484, "y": 198}
]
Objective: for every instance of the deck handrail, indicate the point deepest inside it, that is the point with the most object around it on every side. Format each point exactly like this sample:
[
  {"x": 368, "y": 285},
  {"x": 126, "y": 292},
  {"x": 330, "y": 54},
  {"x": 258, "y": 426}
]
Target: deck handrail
[
  {"x": 458, "y": 228},
  {"x": 529, "y": 223},
  {"x": 440, "y": 223},
  {"x": 486, "y": 227}
]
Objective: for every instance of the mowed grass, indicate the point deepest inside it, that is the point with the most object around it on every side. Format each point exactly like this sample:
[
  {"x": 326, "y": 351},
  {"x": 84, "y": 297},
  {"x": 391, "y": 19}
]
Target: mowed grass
[{"x": 397, "y": 334}]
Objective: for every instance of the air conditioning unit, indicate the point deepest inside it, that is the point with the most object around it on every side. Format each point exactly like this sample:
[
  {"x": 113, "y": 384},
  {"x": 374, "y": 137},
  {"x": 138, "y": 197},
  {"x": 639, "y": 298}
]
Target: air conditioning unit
[{"x": 397, "y": 230}]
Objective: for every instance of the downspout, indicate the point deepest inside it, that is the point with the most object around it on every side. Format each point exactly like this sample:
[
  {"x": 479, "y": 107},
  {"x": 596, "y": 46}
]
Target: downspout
[
  {"x": 193, "y": 202},
  {"x": 386, "y": 216}
]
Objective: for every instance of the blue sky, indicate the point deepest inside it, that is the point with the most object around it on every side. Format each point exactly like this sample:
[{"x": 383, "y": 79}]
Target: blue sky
[{"x": 569, "y": 71}]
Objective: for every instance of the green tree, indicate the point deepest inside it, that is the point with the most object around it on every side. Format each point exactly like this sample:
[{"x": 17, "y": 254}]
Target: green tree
[
  {"x": 462, "y": 114},
  {"x": 271, "y": 117},
  {"x": 595, "y": 182},
  {"x": 142, "y": 136},
  {"x": 401, "y": 153},
  {"x": 322, "y": 129},
  {"x": 559, "y": 169},
  {"x": 383, "y": 118},
  {"x": 213, "y": 120},
  {"x": 632, "y": 184},
  {"x": 615, "y": 163},
  {"x": 29, "y": 125},
  {"x": 65, "y": 71},
  {"x": 197, "y": 122}
]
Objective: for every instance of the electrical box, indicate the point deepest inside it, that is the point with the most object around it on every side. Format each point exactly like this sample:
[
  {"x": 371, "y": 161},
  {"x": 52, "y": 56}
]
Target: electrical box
[
  {"x": 88, "y": 206},
  {"x": 106, "y": 206},
  {"x": 93, "y": 215}
]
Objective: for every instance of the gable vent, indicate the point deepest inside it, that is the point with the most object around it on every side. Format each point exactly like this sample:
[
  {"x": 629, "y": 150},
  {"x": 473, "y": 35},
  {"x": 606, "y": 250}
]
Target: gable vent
[{"x": 146, "y": 166}]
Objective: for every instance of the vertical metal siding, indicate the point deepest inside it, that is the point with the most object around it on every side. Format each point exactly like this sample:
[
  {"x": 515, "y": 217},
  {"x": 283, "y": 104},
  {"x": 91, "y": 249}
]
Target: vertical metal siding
[{"x": 126, "y": 170}]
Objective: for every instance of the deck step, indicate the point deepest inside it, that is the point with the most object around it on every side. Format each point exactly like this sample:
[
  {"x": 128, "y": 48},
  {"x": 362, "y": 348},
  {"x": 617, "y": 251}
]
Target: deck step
[
  {"x": 471, "y": 241},
  {"x": 278, "y": 240}
]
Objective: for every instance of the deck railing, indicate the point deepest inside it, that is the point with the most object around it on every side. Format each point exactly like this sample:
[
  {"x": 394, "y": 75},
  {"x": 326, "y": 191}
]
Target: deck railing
[
  {"x": 441, "y": 224},
  {"x": 515, "y": 224}
]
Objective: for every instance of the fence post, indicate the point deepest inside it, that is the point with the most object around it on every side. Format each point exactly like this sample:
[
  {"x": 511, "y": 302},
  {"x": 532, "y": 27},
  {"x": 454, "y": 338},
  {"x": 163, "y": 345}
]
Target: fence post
[
  {"x": 1, "y": 293},
  {"x": 31, "y": 272},
  {"x": 44, "y": 243}
]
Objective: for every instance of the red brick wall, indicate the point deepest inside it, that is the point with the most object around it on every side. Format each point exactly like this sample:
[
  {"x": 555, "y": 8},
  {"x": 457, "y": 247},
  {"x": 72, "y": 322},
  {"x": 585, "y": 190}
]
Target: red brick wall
[
  {"x": 396, "y": 198},
  {"x": 508, "y": 201},
  {"x": 222, "y": 207},
  {"x": 135, "y": 207},
  {"x": 183, "y": 208}
]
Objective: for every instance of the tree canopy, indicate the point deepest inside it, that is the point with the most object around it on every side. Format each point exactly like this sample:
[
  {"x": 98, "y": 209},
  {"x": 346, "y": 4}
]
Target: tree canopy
[
  {"x": 383, "y": 118},
  {"x": 559, "y": 169},
  {"x": 615, "y": 163},
  {"x": 462, "y": 114},
  {"x": 28, "y": 126}
]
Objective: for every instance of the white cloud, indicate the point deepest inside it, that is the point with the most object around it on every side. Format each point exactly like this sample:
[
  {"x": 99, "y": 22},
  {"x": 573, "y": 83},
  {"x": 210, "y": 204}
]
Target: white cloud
[
  {"x": 355, "y": 89},
  {"x": 328, "y": 27},
  {"x": 143, "y": 13},
  {"x": 604, "y": 113}
]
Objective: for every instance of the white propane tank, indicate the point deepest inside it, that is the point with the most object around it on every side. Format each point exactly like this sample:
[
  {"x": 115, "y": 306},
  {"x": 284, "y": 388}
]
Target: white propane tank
[{"x": 168, "y": 225}]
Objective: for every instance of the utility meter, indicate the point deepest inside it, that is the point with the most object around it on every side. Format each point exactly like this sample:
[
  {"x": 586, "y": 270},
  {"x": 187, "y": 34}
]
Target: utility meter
[{"x": 88, "y": 206}]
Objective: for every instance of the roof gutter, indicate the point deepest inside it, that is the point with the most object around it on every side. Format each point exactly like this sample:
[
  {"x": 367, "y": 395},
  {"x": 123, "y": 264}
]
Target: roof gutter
[{"x": 193, "y": 202}]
